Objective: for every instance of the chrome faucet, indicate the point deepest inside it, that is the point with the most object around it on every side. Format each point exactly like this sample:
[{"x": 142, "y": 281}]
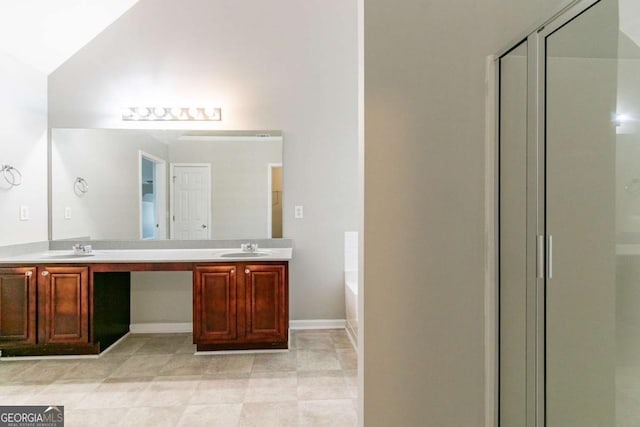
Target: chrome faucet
[
  {"x": 79, "y": 249},
  {"x": 249, "y": 247}
]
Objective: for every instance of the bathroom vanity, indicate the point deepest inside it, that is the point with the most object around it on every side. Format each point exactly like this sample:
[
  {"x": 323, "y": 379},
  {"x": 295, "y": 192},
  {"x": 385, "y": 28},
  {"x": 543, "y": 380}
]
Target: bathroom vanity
[{"x": 58, "y": 303}]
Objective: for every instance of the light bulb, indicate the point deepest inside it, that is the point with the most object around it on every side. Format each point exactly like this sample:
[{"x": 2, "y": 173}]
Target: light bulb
[
  {"x": 159, "y": 112},
  {"x": 126, "y": 112},
  {"x": 212, "y": 113}
]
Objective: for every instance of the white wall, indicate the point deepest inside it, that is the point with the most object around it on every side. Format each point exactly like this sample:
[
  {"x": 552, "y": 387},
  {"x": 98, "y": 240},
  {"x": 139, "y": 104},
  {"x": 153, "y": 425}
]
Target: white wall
[
  {"x": 424, "y": 204},
  {"x": 23, "y": 144},
  {"x": 109, "y": 162},
  {"x": 282, "y": 64}
]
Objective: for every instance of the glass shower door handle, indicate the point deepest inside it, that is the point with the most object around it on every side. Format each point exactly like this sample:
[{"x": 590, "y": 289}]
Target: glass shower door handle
[{"x": 550, "y": 261}]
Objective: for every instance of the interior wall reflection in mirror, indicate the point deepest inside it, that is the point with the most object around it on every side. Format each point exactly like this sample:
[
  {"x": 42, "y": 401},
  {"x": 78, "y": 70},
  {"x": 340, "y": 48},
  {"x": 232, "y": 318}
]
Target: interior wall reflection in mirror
[{"x": 165, "y": 184}]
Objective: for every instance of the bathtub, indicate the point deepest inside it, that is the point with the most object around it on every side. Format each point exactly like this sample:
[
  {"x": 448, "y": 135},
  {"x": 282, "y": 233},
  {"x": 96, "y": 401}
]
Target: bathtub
[
  {"x": 351, "y": 304},
  {"x": 351, "y": 284}
]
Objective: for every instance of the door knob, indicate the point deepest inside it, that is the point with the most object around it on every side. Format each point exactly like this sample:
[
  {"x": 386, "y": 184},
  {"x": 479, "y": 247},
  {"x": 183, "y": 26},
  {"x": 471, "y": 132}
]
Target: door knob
[{"x": 204, "y": 226}]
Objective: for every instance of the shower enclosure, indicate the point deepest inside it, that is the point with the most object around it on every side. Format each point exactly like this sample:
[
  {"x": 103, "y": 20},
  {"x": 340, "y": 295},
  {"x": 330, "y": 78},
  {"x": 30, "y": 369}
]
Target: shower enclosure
[{"x": 569, "y": 220}]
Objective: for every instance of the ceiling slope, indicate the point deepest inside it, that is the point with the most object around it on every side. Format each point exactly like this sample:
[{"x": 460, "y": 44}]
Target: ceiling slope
[{"x": 45, "y": 33}]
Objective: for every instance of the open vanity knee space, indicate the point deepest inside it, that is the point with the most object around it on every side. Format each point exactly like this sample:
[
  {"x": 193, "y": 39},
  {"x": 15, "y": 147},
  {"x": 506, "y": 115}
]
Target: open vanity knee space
[{"x": 58, "y": 303}]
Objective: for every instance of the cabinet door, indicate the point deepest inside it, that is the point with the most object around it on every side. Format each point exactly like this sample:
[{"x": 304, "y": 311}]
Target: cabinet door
[
  {"x": 214, "y": 304},
  {"x": 64, "y": 304},
  {"x": 266, "y": 303},
  {"x": 17, "y": 305}
]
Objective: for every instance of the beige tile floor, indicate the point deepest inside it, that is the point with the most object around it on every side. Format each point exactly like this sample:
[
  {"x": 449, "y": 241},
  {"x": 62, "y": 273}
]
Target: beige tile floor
[{"x": 156, "y": 380}]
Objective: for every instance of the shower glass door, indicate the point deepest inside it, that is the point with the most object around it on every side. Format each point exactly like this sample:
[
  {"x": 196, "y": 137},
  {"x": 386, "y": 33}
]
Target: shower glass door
[
  {"x": 569, "y": 221},
  {"x": 592, "y": 210},
  {"x": 512, "y": 205}
]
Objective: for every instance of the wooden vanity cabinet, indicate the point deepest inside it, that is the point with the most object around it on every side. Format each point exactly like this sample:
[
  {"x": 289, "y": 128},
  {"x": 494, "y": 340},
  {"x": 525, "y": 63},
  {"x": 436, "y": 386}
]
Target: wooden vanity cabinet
[
  {"x": 44, "y": 310},
  {"x": 63, "y": 305},
  {"x": 266, "y": 303},
  {"x": 17, "y": 306},
  {"x": 215, "y": 301},
  {"x": 241, "y": 306}
]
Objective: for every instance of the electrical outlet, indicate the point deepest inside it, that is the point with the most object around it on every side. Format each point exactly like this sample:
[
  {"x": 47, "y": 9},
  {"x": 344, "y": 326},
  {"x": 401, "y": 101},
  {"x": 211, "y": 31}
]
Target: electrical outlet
[
  {"x": 67, "y": 213},
  {"x": 298, "y": 212},
  {"x": 24, "y": 213}
]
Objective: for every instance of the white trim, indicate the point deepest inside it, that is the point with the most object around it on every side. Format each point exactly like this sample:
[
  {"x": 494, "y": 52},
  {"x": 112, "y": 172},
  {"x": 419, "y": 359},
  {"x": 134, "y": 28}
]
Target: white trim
[
  {"x": 230, "y": 138},
  {"x": 223, "y": 352},
  {"x": 172, "y": 328},
  {"x": 352, "y": 338},
  {"x": 318, "y": 324},
  {"x": 52, "y": 357},
  {"x": 270, "y": 168},
  {"x": 490, "y": 277},
  {"x": 112, "y": 346},
  {"x": 160, "y": 328}
]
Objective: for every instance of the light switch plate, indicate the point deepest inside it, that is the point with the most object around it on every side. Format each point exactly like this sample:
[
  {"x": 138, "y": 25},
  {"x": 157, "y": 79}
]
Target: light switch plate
[
  {"x": 298, "y": 212},
  {"x": 67, "y": 212},
  {"x": 24, "y": 213}
]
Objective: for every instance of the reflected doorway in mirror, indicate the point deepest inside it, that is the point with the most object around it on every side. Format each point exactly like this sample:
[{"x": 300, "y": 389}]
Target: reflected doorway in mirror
[
  {"x": 190, "y": 206},
  {"x": 274, "y": 205},
  {"x": 153, "y": 196}
]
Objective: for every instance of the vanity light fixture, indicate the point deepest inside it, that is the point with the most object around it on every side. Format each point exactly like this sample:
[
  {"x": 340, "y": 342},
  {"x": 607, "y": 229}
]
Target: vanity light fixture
[{"x": 169, "y": 114}]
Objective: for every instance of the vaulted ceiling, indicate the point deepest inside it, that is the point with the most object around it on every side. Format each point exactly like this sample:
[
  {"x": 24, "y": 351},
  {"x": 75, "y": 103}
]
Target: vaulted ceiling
[{"x": 45, "y": 33}]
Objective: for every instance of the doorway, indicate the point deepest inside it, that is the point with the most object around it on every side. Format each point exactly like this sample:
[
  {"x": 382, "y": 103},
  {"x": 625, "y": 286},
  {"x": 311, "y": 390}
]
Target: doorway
[
  {"x": 190, "y": 201},
  {"x": 274, "y": 201},
  {"x": 152, "y": 185}
]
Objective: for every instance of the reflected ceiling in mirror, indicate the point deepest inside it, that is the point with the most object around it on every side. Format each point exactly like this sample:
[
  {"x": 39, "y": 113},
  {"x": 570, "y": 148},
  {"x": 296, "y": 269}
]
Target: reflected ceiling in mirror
[{"x": 128, "y": 184}]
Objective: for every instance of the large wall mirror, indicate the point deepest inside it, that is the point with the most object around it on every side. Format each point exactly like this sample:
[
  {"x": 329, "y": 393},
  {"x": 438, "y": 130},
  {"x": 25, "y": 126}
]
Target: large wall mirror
[{"x": 128, "y": 184}]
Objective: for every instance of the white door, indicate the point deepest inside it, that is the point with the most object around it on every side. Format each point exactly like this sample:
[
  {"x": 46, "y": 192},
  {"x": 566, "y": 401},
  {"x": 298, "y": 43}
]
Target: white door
[{"x": 190, "y": 201}]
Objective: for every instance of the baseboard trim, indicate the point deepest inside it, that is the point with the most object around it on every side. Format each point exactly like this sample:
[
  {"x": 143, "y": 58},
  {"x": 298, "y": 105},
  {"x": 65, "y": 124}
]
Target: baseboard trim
[
  {"x": 160, "y": 328},
  {"x": 352, "y": 338},
  {"x": 173, "y": 328},
  {"x": 317, "y": 324},
  {"x": 112, "y": 346}
]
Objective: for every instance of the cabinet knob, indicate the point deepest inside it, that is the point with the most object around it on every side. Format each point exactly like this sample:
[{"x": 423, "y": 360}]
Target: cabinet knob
[
  {"x": 28, "y": 273},
  {"x": 247, "y": 271},
  {"x": 45, "y": 273},
  {"x": 233, "y": 271}
]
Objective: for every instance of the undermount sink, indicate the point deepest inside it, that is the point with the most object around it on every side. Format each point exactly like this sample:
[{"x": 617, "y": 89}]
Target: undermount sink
[
  {"x": 64, "y": 256},
  {"x": 244, "y": 254}
]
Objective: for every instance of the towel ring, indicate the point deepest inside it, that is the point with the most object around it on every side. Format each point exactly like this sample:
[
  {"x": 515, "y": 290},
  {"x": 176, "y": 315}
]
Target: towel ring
[
  {"x": 80, "y": 186},
  {"x": 11, "y": 175}
]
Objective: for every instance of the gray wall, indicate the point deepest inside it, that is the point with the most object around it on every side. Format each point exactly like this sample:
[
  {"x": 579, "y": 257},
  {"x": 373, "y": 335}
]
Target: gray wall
[
  {"x": 282, "y": 64},
  {"x": 23, "y": 144},
  {"x": 424, "y": 253}
]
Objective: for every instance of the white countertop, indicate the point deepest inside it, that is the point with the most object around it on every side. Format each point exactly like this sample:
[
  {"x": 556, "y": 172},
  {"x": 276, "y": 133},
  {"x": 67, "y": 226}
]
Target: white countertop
[{"x": 152, "y": 255}]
